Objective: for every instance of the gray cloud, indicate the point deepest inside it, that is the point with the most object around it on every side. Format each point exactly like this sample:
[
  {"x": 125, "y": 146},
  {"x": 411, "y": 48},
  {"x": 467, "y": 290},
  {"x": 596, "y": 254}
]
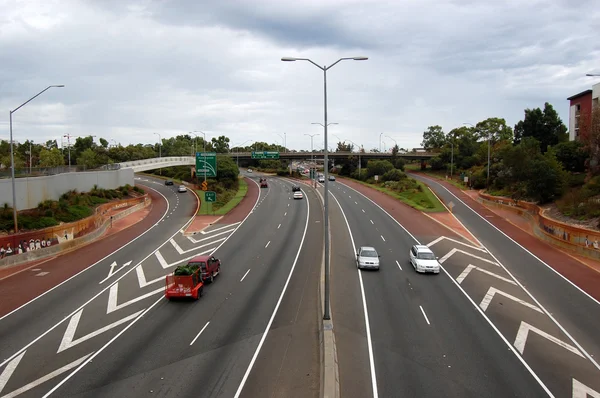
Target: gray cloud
[{"x": 135, "y": 68}]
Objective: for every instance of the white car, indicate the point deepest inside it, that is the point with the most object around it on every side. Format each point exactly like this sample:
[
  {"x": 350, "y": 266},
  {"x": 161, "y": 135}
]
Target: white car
[
  {"x": 423, "y": 259},
  {"x": 182, "y": 188},
  {"x": 367, "y": 257},
  {"x": 249, "y": 170},
  {"x": 298, "y": 195},
  {"x": 321, "y": 179}
]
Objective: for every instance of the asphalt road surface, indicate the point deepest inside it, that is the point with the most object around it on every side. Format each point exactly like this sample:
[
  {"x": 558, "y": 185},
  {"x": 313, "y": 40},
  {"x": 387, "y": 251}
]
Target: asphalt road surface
[
  {"x": 423, "y": 337},
  {"x": 120, "y": 337},
  {"x": 552, "y": 323}
]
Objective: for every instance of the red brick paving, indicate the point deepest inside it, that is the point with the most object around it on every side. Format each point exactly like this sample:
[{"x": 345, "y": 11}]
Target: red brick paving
[
  {"x": 564, "y": 263},
  {"x": 24, "y": 286}
]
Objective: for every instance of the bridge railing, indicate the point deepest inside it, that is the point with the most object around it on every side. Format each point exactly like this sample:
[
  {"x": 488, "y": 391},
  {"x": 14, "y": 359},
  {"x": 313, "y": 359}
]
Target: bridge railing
[{"x": 48, "y": 171}]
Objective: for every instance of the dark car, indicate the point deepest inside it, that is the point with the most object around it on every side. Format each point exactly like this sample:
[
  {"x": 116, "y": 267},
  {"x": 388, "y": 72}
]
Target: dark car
[
  {"x": 209, "y": 267},
  {"x": 168, "y": 182},
  {"x": 295, "y": 188}
]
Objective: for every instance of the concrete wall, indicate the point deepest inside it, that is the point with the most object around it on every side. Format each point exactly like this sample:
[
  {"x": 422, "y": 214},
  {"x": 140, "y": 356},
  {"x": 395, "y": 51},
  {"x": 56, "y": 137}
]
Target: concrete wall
[{"x": 33, "y": 190}]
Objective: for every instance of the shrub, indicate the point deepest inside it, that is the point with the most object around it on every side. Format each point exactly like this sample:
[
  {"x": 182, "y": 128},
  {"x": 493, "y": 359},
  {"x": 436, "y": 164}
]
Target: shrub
[
  {"x": 436, "y": 163},
  {"x": 393, "y": 175}
]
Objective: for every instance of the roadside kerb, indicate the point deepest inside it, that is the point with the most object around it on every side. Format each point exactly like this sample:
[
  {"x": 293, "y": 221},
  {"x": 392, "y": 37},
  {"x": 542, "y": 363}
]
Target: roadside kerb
[
  {"x": 70, "y": 245},
  {"x": 330, "y": 377}
]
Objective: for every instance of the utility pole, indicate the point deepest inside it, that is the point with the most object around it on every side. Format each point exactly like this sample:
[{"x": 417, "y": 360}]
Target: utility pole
[
  {"x": 30, "y": 157},
  {"x": 68, "y": 136},
  {"x": 312, "y": 156}
]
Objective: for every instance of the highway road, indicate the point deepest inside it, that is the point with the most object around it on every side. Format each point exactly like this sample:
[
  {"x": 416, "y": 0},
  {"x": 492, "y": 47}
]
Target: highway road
[
  {"x": 410, "y": 334},
  {"x": 558, "y": 322},
  {"x": 129, "y": 341}
]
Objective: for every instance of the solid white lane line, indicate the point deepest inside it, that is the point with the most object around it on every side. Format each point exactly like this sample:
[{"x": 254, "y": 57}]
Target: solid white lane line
[
  {"x": 97, "y": 262},
  {"x": 365, "y": 311},
  {"x": 267, "y": 245},
  {"x": 382, "y": 238},
  {"x": 285, "y": 214},
  {"x": 279, "y": 226},
  {"x": 198, "y": 335},
  {"x": 363, "y": 210},
  {"x": 425, "y": 315},
  {"x": 244, "y": 277},
  {"x": 264, "y": 336},
  {"x": 399, "y": 265},
  {"x": 372, "y": 222}
]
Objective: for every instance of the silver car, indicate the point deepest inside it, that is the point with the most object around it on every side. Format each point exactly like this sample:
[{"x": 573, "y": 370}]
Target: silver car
[
  {"x": 423, "y": 259},
  {"x": 367, "y": 257}
]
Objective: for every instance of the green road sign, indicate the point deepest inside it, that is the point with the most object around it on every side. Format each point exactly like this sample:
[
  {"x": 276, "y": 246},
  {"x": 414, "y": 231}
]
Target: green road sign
[
  {"x": 265, "y": 155},
  {"x": 210, "y": 196},
  {"x": 206, "y": 162}
]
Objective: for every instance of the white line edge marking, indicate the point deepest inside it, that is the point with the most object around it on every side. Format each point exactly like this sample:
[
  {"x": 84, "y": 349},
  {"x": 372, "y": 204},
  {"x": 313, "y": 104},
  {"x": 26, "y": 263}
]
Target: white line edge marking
[
  {"x": 97, "y": 262},
  {"x": 510, "y": 346},
  {"x": 424, "y": 314},
  {"x": 365, "y": 311},
  {"x": 399, "y": 266},
  {"x": 199, "y": 333},
  {"x": 244, "y": 277},
  {"x": 587, "y": 355},
  {"x": 118, "y": 279},
  {"x": 264, "y": 336},
  {"x": 143, "y": 313}
]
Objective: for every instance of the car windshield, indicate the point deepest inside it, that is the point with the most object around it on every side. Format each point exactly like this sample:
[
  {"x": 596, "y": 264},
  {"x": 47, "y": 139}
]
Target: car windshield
[
  {"x": 368, "y": 253},
  {"x": 426, "y": 256}
]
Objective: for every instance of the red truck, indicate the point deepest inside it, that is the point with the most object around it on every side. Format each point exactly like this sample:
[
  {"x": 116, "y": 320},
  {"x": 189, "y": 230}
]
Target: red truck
[{"x": 182, "y": 286}]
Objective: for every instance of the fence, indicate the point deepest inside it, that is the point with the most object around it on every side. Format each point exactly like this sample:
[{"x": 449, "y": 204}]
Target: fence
[
  {"x": 43, "y": 238},
  {"x": 578, "y": 239},
  {"x": 48, "y": 171}
]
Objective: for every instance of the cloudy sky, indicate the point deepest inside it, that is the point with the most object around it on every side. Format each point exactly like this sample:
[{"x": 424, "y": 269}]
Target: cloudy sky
[{"x": 134, "y": 68}]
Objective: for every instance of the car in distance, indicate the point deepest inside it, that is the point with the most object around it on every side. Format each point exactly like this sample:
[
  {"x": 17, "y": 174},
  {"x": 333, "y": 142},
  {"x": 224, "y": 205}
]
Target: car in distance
[
  {"x": 367, "y": 257},
  {"x": 298, "y": 195},
  {"x": 249, "y": 170},
  {"x": 423, "y": 260},
  {"x": 209, "y": 267},
  {"x": 331, "y": 177},
  {"x": 295, "y": 188},
  {"x": 168, "y": 182},
  {"x": 263, "y": 183},
  {"x": 182, "y": 188},
  {"x": 321, "y": 179}
]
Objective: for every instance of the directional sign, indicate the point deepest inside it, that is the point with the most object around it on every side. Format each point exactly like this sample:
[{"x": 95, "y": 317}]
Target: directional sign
[
  {"x": 206, "y": 164},
  {"x": 210, "y": 196},
  {"x": 265, "y": 155}
]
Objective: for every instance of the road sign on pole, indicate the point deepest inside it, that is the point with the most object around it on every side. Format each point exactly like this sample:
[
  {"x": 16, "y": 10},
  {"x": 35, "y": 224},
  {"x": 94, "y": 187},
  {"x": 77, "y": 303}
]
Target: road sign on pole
[
  {"x": 204, "y": 185},
  {"x": 206, "y": 164},
  {"x": 265, "y": 155},
  {"x": 210, "y": 196}
]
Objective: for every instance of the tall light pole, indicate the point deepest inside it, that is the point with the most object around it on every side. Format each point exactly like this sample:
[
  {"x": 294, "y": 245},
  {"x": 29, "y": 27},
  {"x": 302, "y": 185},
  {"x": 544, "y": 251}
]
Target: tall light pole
[
  {"x": 380, "y": 135},
  {"x": 592, "y": 74},
  {"x": 326, "y": 310},
  {"x": 30, "y": 156},
  {"x": 395, "y": 142},
  {"x": 68, "y": 137},
  {"x": 282, "y": 139},
  {"x": 359, "y": 149},
  {"x": 238, "y": 151},
  {"x": 159, "y": 150},
  {"x": 325, "y": 162},
  {"x": 312, "y": 155},
  {"x": 12, "y": 153},
  {"x": 114, "y": 142}
]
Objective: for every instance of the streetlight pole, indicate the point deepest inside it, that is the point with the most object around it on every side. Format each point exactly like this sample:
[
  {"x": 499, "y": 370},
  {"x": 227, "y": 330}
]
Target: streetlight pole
[
  {"x": 593, "y": 74},
  {"x": 159, "y": 150},
  {"x": 380, "y": 135},
  {"x": 359, "y": 149},
  {"x": 326, "y": 310},
  {"x": 238, "y": 152},
  {"x": 312, "y": 156},
  {"x": 325, "y": 162},
  {"x": 12, "y": 153},
  {"x": 30, "y": 157},
  {"x": 395, "y": 142},
  {"x": 68, "y": 136}
]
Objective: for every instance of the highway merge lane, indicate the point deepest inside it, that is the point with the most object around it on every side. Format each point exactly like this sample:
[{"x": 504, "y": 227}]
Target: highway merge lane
[
  {"x": 427, "y": 338},
  {"x": 554, "y": 324}
]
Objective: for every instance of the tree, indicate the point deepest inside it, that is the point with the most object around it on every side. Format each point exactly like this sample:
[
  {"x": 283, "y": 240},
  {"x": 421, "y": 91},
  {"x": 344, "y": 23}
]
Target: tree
[
  {"x": 572, "y": 155},
  {"x": 51, "y": 144},
  {"x": 81, "y": 144},
  {"x": 495, "y": 129},
  {"x": 104, "y": 143},
  {"x": 433, "y": 138},
  {"x": 590, "y": 137},
  {"x": 546, "y": 180},
  {"x": 378, "y": 167},
  {"x": 88, "y": 159},
  {"x": 51, "y": 158},
  {"x": 226, "y": 169},
  {"x": 343, "y": 147},
  {"x": 220, "y": 144},
  {"x": 545, "y": 126}
]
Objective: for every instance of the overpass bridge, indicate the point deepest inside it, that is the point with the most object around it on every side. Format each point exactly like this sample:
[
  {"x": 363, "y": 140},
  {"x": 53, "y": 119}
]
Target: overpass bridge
[{"x": 169, "y": 161}]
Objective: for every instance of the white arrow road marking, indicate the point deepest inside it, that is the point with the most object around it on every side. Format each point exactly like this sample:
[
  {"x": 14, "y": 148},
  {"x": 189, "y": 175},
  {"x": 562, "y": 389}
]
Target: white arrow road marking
[
  {"x": 492, "y": 292},
  {"x": 42, "y": 274},
  {"x": 471, "y": 267},
  {"x": 580, "y": 390},
  {"x": 112, "y": 271},
  {"x": 9, "y": 370},
  {"x": 454, "y": 251},
  {"x": 218, "y": 229},
  {"x": 191, "y": 238},
  {"x": 181, "y": 251},
  {"x": 441, "y": 238},
  {"x": 524, "y": 332},
  {"x": 44, "y": 379},
  {"x": 112, "y": 298},
  {"x": 67, "y": 340}
]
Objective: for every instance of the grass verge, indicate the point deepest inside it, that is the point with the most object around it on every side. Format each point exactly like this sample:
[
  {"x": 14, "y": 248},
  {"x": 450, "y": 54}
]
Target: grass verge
[
  {"x": 226, "y": 201},
  {"x": 424, "y": 200},
  {"x": 438, "y": 175}
]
